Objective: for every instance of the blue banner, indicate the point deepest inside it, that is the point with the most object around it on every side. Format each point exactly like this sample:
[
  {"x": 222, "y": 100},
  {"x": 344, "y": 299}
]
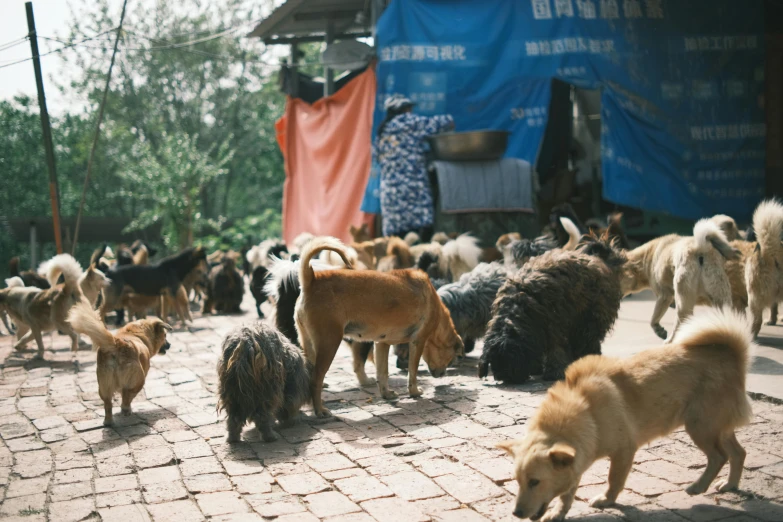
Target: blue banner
[{"x": 682, "y": 86}]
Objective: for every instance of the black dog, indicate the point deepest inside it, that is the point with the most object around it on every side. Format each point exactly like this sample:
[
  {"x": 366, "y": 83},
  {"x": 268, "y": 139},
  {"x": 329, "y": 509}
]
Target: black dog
[
  {"x": 153, "y": 279},
  {"x": 262, "y": 377},
  {"x": 257, "y": 282},
  {"x": 554, "y": 310},
  {"x": 225, "y": 288},
  {"x": 30, "y": 277}
]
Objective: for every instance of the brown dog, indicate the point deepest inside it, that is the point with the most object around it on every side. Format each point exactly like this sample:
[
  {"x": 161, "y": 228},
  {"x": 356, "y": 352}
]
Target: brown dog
[
  {"x": 388, "y": 308},
  {"x": 609, "y": 408},
  {"x": 123, "y": 357}
]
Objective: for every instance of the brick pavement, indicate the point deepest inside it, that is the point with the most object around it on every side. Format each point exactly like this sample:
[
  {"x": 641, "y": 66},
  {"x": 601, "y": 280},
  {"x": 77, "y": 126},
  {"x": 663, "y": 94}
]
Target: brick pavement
[{"x": 428, "y": 459}]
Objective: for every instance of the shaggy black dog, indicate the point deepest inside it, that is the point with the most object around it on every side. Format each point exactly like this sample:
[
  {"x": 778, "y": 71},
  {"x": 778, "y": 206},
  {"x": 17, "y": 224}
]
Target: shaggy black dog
[
  {"x": 470, "y": 299},
  {"x": 520, "y": 251},
  {"x": 30, "y": 277},
  {"x": 262, "y": 377},
  {"x": 554, "y": 310},
  {"x": 257, "y": 282},
  {"x": 225, "y": 288}
]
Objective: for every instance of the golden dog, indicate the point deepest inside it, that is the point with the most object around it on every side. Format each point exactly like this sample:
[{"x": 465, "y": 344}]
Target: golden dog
[
  {"x": 609, "y": 408},
  {"x": 123, "y": 357},
  {"x": 386, "y": 308},
  {"x": 763, "y": 275}
]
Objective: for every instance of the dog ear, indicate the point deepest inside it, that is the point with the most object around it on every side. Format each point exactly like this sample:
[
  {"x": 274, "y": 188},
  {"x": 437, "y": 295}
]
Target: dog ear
[
  {"x": 562, "y": 455},
  {"x": 509, "y": 446},
  {"x": 166, "y": 326}
]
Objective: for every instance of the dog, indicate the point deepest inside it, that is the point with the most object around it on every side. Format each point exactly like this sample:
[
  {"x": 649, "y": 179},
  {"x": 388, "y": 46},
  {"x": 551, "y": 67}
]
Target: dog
[
  {"x": 225, "y": 288},
  {"x": 91, "y": 281},
  {"x": 360, "y": 234},
  {"x": 729, "y": 227},
  {"x": 451, "y": 260},
  {"x": 261, "y": 254},
  {"x": 563, "y": 234},
  {"x": 29, "y": 277},
  {"x": 257, "y": 284},
  {"x": 686, "y": 270},
  {"x": 517, "y": 252},
  {"x": 762, "y": 268},
  {"x": 470, "y": 299},
  {"x": 262, "y": 377},
  {"x": 283, "y": 286},
  {"x": 37, "y": 311},
  {"x": 386, "y": 308},
  {"x": 152, "y": 279},
  {"x": 123, "y": 357},
  {"x": 613, "y": 228},
  {"x": 554, "y": 310},
  {"x": 398, "y": 256},
  {"x": 610, "y": 408}
]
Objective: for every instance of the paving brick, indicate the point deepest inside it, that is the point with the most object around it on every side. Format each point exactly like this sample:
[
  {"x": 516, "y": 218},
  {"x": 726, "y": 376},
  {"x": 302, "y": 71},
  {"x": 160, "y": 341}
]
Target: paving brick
[
  {"x": 440, "y": 466},
  {"x": 763, "y": 510},
  {"x": 163, "y": 491},
  {"x": 433, "y": 506},
  {"x": 329, "y": 462},
  {"x": 26, "y": 487},
  {"x": 192, "y": 449},
  {"x": 253, "y": 484},
  {"x": 117, "y": 483},
  {"x": 129, "y": 513},
  {"x": 351, "y": 517},
  {"x": 412, "y": 485},
  {"x": 303, "y": 483},
  {"x": 468, "y": 487},
  {"x": 665, "y": 470},
  {"x": 73, "y": 475},
  {"x": 649, "y": 486},
  {"x": 118, "y": 498},
  {"x": 200, "y": 466},
  {"x": 394, "y": 509},
  {"x": 237, "y": 468},
  {"x": 208, "y": 483},
  {"x": 331, "y": 476},
  {"x": 360, "y": 449},
  {"x": 460, "y": 515},
  {"x": 185, "y": 510},
  {"x": 63, "y": 492},
  {"x": 330, "y": 504},
  {"x": 363, "y": 488},
  {"x": 153, "y": 457},
  {"x": 30, "y": 504},
  {"x": 271, "y": 505},
  {"x": 71, "y": 510}
]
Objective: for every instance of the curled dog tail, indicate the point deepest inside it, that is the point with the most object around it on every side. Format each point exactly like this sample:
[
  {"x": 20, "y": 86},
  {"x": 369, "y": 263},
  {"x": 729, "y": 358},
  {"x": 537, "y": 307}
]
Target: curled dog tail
[
  {"x": 573, "y": 233},
  {"x": 63, "y": 264},
  {"x": 464, "y": 247},
  {"x": 313, "y": 248},
  {"x": 709, "y": 235},
  {"x": 728, "y": 331},
  {"x": 768, "y": 225},
  {"x": 283, "y": 274},
  {"x": 85, "y": 320}
]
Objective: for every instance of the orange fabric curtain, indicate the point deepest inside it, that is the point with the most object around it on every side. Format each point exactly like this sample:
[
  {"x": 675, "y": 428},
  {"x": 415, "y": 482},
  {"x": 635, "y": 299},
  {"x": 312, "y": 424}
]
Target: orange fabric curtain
[{"x": 326, "y": 150}]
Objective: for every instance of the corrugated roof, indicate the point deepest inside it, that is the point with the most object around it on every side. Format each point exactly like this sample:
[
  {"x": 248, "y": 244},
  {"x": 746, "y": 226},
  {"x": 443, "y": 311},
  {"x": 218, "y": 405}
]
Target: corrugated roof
[{"x": 308, "y": 18}]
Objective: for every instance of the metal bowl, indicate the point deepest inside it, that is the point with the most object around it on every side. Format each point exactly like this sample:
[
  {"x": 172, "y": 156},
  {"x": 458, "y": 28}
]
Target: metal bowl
[{"x": 481, "y": 145}]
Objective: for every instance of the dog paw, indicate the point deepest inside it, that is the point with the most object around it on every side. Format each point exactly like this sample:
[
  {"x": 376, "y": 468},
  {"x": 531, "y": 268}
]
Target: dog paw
[
  {"x": 38, "y": 357},
  {"x": 722, "y": 486},
  {"x": 324, "y": 413},
  {"x": 553, "y": 515},
  {"x": 660, "y": 331},
  {"x": 772, "y": 322},
  {"x": 108, "y": 423},
  {"x": 601, "y": 501},
  {"x": 269, "y": 437},
  {"x": 414, "y": 392},
  {"x": 126, "y": 412},
  {"x": 695, "y": 489},
  {"x": 367, "y": 381},
  {"x": 389, "y": 394}
]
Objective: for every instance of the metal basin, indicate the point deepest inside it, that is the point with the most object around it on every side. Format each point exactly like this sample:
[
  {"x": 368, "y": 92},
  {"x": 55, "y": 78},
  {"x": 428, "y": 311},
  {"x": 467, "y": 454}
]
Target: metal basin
[{"x": 482, "y": 145}]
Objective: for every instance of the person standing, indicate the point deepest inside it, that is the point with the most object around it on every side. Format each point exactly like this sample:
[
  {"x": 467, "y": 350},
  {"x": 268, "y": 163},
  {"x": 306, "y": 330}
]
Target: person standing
[{"x": 406, "y": 196}]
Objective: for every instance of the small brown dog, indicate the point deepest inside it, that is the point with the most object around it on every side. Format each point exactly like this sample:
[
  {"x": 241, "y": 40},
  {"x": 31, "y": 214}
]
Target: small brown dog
[
  {"x": 363, "y": 305},
  {"x": 123, "y": 357},
  {"x": 608, "y": 407}
]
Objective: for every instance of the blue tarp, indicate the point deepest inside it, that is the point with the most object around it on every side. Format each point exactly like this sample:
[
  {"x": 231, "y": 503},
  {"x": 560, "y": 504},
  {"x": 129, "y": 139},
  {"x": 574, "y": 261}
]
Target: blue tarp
[{"x": 682, "y": 82}]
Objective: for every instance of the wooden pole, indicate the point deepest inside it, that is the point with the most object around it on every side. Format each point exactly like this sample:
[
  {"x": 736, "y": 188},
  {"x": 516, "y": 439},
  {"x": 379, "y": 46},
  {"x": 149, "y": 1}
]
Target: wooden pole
[
  {"x": 97, "y": 131},
  {"x": 46, "y": 127}
]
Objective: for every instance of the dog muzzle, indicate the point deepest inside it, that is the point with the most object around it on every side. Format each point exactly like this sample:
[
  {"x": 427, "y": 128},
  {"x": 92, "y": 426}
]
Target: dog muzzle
[{"x": 164, "y": 348}]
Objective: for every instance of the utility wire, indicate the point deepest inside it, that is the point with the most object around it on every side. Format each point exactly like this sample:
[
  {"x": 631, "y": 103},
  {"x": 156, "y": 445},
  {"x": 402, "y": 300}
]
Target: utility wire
[{"x": 68, "y": 46}]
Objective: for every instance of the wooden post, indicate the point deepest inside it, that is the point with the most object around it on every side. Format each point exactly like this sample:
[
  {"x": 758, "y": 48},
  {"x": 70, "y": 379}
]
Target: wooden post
[
  {"x": 33, "y": 245},
  {"x": 328, "y": 71},
  {"x": 46, "y": 126}
]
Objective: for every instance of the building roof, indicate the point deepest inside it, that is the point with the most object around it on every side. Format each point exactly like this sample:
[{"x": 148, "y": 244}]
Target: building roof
[{"x": 307, "y": 20}]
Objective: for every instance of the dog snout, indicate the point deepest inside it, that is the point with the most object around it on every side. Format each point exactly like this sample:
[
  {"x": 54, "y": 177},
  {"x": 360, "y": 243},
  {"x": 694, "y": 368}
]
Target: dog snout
[
  {"x": 438, "y": 373},
  {"x": 164, "y": 348},
  {"x": 519, "y": 513}
]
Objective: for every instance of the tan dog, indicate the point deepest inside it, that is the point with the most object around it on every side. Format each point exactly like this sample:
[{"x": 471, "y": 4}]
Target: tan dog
[
  {"x": 763, "y": 274},
  {"x": 686, "y": 270},
  {"x": 37, "y": 311},
  {"x": 363, "y": 305},
  {"x": 123, "y": 357},
  {"x": 609, "y": 408},
  {"x": 398, "y": 256},
  {"x": 360, "y": 234}
]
